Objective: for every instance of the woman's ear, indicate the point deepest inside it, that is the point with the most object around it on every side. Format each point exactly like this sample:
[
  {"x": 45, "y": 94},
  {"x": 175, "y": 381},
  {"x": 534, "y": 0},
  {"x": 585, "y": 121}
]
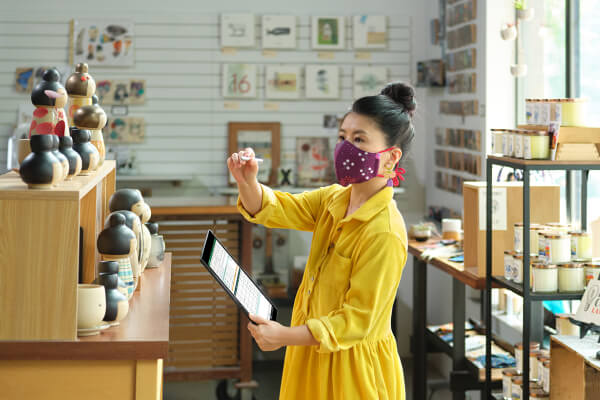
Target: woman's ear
[{"x": 396, "y": 155}]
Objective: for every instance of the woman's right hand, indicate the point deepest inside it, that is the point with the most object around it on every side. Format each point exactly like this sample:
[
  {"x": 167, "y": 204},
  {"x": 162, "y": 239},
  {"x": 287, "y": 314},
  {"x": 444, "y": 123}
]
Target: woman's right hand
[{"x": 244, "y": 172}]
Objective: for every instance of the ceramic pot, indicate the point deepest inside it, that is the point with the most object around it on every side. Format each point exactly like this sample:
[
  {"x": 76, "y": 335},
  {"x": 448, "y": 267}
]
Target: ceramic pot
[
  {"x": 23, "y": 150},
  {"x": 157, "y": 252},
  {"x": 40, "y": 169},
  {"x": 518, "y": 70},
  {"x": 526, "y": 14},
  {"x": 88, "y": 153},
  {"x": 508, "y": 32},
  {"x": 105, "y": 267},
  {"x": 117, "y": 305},
  {"x": 118, "y": 243},
  {"x": 73, "y": 158},
  {"x": 132, "y": 221},
  {"x": 91, "y": 305},
  {"x": 64, "y": 163}
]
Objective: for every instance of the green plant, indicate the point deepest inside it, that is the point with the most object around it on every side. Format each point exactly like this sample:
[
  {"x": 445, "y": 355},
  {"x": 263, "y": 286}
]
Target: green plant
[{"x": 520, "y": 4}]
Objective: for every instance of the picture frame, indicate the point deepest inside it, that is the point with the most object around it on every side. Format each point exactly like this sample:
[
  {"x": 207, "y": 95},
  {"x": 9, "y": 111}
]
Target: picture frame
[
  {"x": 314, "y": 162},
  {"x": 120, "y": 130},
  {"x": 368, "y": 81},
  {"x": 328, "y": 33},
  {"x": 239, "y": 81},
  {"x": 103, "y": 42},
  {"x": 265, "y": 139},
  {"x": 322, "y": 81},
  {"x": 24, "y": 80},
  {"x": 282, "y": 82},
  {"x": 237, "y": 30},
  {"x": 369, "y": 32},
  {"x": 431, "y": 73},
  {"x": 279, "y": 31}
]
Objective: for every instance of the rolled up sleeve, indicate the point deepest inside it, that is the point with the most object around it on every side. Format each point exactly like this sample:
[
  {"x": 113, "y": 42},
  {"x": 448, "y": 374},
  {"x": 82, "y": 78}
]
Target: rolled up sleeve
[{"x": 374, "y": 281}]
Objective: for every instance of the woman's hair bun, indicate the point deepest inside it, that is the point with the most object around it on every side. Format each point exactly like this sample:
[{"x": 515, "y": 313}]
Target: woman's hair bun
[{"x": 403, "y": 95}]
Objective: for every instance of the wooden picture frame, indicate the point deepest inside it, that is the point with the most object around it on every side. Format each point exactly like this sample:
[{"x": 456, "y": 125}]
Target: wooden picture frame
[{"x": 265, "y": 139}]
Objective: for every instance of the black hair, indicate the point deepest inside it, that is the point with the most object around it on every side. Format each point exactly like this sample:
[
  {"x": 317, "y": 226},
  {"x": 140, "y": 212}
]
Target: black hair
[
  {"x": 392, "y": 110},
  {"x": 50, "y": 81}
]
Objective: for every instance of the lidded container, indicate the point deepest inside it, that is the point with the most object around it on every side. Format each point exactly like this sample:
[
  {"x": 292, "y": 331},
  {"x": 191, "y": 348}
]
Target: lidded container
[
  {"x": 545, "y": 277},
  {"x": 536, "y": 145},
  {"x": 581, "y": 244},
  {"x": 571, "y": 277}
]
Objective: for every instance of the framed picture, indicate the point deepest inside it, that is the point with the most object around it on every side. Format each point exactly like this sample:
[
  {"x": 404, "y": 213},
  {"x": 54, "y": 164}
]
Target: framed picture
[
  {"x": 282, "y": 82},
  {"x": 24, "y": 80},
  {"x": 237, "y": 30},
  {"x": 328, "y": 33},
  {"x": 368, "y": 81},
  {"x": 369, "y": 31},
  {"x": 314, "y": 162},
  {"x": 279, "y": 32},
  {"x": 137, "y": 91},
  {"x": 103, "y": 42},
  {"x": 322, "y": 82},
  {"x": 118, "y": 93},
  {"x": 239, "y": 80},
  {"x": 264, "y": 138},
  {"x": 431, "y": 73},
  {"x": 120, "y": 130}
]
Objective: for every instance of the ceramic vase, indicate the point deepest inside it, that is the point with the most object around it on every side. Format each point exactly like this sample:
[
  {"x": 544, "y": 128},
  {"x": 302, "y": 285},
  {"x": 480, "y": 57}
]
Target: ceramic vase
[
  {"x": 49, "y": 97},
  {"x": 146, "y": 214},
  {"x": 88, "y": 153},
  {"x": 132, "y": 221},
  {"x": 91, "y": 306},
  {"x": 64, "y": 163},
  {"x": 157, "y": 251},
  {"x": 40, "y": 169},
  {"x": 80, "y": 87},
  {"x": 116, "y": 243},
  {"x": 108, "y": 266},
  {"x": 93, "y": 118},
  {"x": 73, "y": 158},
  {"x": 508, "y": 32},
  {"x": 117, "y": 305}
]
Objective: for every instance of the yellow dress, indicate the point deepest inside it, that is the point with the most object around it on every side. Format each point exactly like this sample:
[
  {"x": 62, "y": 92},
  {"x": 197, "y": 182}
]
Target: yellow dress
[{"x": 346, "y": 295}]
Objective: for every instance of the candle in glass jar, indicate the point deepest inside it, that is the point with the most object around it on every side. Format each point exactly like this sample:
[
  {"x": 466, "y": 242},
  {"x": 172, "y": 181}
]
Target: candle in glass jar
[
  {"x": 574, "y": 111},
  {"x": 536, "y": 145},
  {"x": 534, "y": 230},
  {"x": 533, "y": 346},
  {"x": 533, "y": 367},
  {"x": 545, "y": 277},
  {"x": 592, "y": 270},
  {"x": 546, "y": 381},
  {"x": 508, "y": 143},
  {"x": 557, "y": 248},
  {"x": 571, "y": 277},
  {"x": 497, "y": 141},
  {"x": 518, "y": 143},
  {"x": 539, "y": 394},
  {"x": 558, "y": 227},
  {"x": 565, "y": 327},
  {"x": 508, "y": 264},
  {"x": 517, "y": 267},
  {"x": 581, "y": 244},
  {"x": 540, "y": 364},
  {"x": 507, "y": 376}
]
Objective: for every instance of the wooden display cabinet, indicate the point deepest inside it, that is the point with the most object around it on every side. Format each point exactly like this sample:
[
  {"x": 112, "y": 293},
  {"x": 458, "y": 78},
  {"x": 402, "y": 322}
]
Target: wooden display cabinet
[{"x": 48, "y": 245}]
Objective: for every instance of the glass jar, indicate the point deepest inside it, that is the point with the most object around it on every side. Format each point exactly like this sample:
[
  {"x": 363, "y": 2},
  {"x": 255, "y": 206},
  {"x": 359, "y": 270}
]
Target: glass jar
[
  {"x": 546, "y": 380},
  {"x": 555, "y": 111},
  {"x": 529, "y": 109},
  {"x": 507, "y": 143},
  {"x": 539, "y": 394},
  {"x": 574, "y": 111},
  {"x": 565, "y": 327},
  {"x": 592, "y": 270},
  {"x": 540, "y": 365},
  {"x": 536, "y": 145},
  {"x": 534, "y": 229},
  {"x": 557, "y": 248},
  {"x": 581, "y": 244},
  {"x": 571, "y": 277},
  {"x": 507, "y": 376},
  {"x": 497, "y": 135},
  {"x": 518, "y": 143},
  {"x": 517, "y": 267},
  {"x": 533, "y": 346},
  {"x": 533, "y": 367},
  {"x": 508, "y": 265},
  {"x": 545, "y": 278},
  {"x": 558, "y": 227},
  {"x": 544, "y": 117},
  {"x": 517, "y": 387}
]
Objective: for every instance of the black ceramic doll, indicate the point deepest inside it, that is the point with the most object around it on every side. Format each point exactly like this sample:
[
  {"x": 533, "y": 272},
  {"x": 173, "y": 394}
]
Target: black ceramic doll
[
  {"x": 117, "y": 305},
  {"x": 63, "y": 160},
  {"x": 40, "y": 169},
  {"x": 49, "y": 97},
  {"x": 107, "y": 266},
  {"x": 117, "y": 243},
  {"x": 74, "y": 159},
  {"x": 133, "y": 222},
  {"x": 88, "y": 153}
]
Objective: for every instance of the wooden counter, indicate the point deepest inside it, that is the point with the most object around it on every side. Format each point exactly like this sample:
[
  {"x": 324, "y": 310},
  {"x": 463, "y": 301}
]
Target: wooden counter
[
  {"x": 574, "y": 368},
  {"x": 123, "y": 362}
]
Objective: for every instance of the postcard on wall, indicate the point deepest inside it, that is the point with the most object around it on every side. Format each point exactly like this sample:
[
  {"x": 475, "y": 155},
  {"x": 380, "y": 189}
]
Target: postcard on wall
[
  {"x": 237, "y": 30},
  {"x": 137, "y": 91},
  {"x": 322, "y": 82},
  {"x": 369, "y": 81},
  {"x": 369, "y": 31},
  {"x": 120, "y": 130},
  {"x": 282, "y": 82},
  {"x": 314, "y": 165},
  {"x": 101, "y": 42},
  {"x": 239, "y": 80},
  {"x": 328, "y": 33},
  {"x": 118, "y": 93},
  {"x": 279, "y": 31},
  {"x": 24, "y": 80}
]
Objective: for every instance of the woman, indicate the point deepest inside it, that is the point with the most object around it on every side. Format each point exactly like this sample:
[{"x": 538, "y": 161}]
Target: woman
[{"x": 340, "y": 344}]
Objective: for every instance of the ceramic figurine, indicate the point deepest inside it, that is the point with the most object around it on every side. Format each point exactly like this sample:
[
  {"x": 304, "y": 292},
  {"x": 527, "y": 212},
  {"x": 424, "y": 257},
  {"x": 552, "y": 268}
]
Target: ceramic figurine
[
  {"x": 88, "y": 153},
  {"x": 74, "y": 159},
  {"x": 133, "y": 222},
  {"x": 63, "y": 160},
  {"x": 40, "y": 169},
  {"x": 157, "y": 246},
  {"x": 147, "y": 238},
  {"x": 49, "y": 97},
  {"x": 80, "y": 87},
  {"x": 117, "y": 305},
  {"x": 107, "y": 266},
  {"x": 93, "y": 118},
  {"x": 116, "y": 243}
]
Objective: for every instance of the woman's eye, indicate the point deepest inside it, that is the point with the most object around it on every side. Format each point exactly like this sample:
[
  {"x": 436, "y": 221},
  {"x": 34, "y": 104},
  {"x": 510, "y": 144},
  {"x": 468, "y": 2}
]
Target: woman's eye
[
  {"x": 340, "y": 138},
  {"x": 358, "y": 140}
]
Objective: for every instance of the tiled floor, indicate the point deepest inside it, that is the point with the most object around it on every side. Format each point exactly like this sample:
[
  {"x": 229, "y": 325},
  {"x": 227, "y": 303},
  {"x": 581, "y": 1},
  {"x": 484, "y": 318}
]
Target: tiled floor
[{"x": 269, "y": 378}]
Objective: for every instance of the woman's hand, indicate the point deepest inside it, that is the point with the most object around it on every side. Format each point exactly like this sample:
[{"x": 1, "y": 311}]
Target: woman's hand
[
  {"x": 244, "y": 172},
  {"x": 267, "y": 334}
]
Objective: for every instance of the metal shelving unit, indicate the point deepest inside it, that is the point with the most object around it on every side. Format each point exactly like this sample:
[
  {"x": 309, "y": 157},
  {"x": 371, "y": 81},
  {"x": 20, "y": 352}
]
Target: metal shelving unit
[{"x": 533, "y": 329}]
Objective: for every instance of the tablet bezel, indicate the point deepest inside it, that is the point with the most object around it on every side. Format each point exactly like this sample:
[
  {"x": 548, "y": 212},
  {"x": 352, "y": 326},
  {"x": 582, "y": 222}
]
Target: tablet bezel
[{"x": 211, "y": 238}]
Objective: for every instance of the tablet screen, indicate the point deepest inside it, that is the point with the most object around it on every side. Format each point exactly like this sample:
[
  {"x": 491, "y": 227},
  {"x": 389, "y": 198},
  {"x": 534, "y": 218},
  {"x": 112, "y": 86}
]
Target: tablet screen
[{"x": 236, "y": 280}]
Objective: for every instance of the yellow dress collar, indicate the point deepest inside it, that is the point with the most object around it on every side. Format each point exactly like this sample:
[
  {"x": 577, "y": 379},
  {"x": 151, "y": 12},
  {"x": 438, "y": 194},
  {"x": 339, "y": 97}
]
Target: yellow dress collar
[{"x": 368, "y": 210}]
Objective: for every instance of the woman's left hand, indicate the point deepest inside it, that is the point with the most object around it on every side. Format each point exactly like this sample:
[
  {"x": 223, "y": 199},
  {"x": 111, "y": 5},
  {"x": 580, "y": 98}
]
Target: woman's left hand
[{"x": 267, "y": 334}]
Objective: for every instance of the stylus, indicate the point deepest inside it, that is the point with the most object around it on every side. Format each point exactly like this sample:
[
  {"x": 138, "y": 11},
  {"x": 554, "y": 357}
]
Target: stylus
[{"x": 246, "y": 158}]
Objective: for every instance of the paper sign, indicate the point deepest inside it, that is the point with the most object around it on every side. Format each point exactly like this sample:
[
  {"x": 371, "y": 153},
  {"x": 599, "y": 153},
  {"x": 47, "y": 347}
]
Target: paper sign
[
  {"x": 231, "y": 105},
  {"x": 269, "y": 53},
  {"x": 499, "y": 213},
  {"x": 326, "y": 55},
  {"x": 589, "y": 309},
  {"x": 272, "y": 106},
  {"x": 363, "y": 55},
  {"x": 229, "y": 50}
]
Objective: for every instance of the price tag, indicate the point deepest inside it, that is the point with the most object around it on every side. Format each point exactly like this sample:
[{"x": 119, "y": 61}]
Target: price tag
[
  {"x": 269, "y": 53},
  {"x": 362, "y": 55},
  {"x": 231, "y": 105},
  {"x": 228, "y": 50},
  {"x": 272, "y": 106},
  {"x": 326, "y": 55}
]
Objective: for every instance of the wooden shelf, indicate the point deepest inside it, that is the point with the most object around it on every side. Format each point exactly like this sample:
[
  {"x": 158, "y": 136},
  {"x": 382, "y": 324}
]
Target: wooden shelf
[
  {"x": 143, "y": 334},
  {"x": 13, "y": 188},
  {"x": 205, "y": 205},
  {"x": 233, "y": 191},
  {"x": 574, "y": 370},
  {"x": 518, "y": 289},
  {"x": 539, "y": 164},
  {"x": 156, "y": 178}
]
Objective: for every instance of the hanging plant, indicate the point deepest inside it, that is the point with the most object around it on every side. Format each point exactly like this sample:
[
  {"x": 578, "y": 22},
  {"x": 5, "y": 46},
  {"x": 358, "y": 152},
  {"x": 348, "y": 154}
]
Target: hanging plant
[
  {"x": 508, "y": 32},
  {"x": 523, "y": 13}
]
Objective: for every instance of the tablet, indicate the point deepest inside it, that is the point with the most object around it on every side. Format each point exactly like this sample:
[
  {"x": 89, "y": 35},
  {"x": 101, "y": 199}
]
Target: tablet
[{"x": 236, "y": 282}]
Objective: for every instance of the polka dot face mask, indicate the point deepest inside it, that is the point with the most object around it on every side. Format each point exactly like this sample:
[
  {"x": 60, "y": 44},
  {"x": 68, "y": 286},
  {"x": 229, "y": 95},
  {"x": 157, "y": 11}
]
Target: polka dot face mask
[{"x": 353, "y": 165}]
